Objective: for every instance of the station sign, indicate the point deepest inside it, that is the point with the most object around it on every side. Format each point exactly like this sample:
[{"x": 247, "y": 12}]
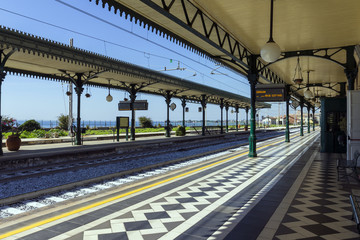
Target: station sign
[
  {"x": 138, "y": 105},
  {"x": 270, "y": 92}
]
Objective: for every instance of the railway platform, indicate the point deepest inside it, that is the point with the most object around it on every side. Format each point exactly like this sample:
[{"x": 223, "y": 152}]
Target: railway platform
[{"x": 290, "y": 191}]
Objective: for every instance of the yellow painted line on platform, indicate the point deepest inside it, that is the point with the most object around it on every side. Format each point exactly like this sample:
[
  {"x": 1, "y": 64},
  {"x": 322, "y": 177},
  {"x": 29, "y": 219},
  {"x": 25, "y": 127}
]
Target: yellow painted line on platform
[{"x": 37, "y": 224}]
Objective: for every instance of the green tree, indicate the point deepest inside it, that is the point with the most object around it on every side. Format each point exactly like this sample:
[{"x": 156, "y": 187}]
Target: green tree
[
  {"x": 30, "y": 125},
  {"x": 145, "y": 122},
  {"x": 63, "y": 121}
]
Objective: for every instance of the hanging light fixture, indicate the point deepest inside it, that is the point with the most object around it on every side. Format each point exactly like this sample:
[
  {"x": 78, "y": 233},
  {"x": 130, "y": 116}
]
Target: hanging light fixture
[
  {"x": 109, "y": 98},
  {"x": 308, "y": 94},
  {"x": 298, "y": 79},
  {"x": 295, "y": 104},
  {"x": 270, "y": 52},
  {"x": 87, "y": 94}
]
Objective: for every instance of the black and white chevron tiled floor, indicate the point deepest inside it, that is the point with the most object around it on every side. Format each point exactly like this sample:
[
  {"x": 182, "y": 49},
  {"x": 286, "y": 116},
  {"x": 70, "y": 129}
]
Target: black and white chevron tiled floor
[{"x": 320, "y": 209}]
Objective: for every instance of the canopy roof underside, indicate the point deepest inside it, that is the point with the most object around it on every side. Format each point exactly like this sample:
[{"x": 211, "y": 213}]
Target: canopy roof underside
[
  {"x": 241, "y": 27},
  {"x": 33, "y": 56}
]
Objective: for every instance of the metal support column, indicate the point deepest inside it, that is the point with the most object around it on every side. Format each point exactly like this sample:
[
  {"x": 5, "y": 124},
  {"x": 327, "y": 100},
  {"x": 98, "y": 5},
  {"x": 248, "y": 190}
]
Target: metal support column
[
  {"x": 227, "y": 117},
  {"x": 132, "y": 91},
  {"x": 313, "y": 118},
  {"x": 78, "y": 89},
  {"x": 168, "y": 101},
  {"x": 301, "y": 117},
  {"x": 308, "y": 109},
  {"x": 237, "y": 117},
  {"x": 2, "y": 78},
  {"x": 253, "y": 77},
  {"x": 287, "y": 130},
  {"x": 203, "y": 104},
  {"x": 252, "y": 138},
  {"x": 183, "y": 104},
  {"x": 3, "y": 59},
  {"x": 221, "y": 116},
  {"x": 247, "y": 119},
  {"x": 351, "y": 69}
]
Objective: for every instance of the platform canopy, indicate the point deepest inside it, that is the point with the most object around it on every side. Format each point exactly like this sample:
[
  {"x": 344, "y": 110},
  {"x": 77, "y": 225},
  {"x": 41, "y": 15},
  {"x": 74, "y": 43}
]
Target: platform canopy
[
  {"x": 322, "y": 33},
  {"x": 29, "y": 55}
]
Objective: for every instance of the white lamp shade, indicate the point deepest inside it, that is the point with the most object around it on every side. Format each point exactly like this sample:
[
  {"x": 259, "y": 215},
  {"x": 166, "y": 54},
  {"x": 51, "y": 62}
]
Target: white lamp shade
[
  {"x": 308, "y": 94},
  {"x": 109, "y": 98},
  {"x": 270, "y": 52}
]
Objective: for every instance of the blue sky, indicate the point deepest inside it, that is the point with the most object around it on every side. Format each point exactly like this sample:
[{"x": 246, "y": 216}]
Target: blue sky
[{"x": 29, "y": 98}]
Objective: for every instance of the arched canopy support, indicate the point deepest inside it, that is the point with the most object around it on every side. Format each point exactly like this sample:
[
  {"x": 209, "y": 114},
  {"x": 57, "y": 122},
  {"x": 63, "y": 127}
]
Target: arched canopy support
[
  {"x": 323, "y": 53},
  {"x": 133, "y": 89},
  {"x": 79, "y": 79}
]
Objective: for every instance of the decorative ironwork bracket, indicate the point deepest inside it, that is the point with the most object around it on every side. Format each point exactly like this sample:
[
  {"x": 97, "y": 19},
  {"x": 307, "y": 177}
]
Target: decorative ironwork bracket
[
  {"x": 187, "y": 15},
  {"x": 325, "y": 53}
]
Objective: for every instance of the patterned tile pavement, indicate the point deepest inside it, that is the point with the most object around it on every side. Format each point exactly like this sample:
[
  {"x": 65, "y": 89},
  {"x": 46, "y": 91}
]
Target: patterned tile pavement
[{"x": 321, "y": 208}]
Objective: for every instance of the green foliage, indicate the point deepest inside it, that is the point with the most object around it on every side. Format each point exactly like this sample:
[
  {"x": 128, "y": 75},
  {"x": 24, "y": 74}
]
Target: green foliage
[
  {"x": 62, "y": 133},
  {"x": 40, "y": 133},
  {"x": 29, "y": 125},
  {"x": 63, "y": 121},
  {"x": 142, "y": 130},
  {"x": 180, "y": 131},
  {"x": 145, "y": 122},
  {"x": 101, "y": 132}
]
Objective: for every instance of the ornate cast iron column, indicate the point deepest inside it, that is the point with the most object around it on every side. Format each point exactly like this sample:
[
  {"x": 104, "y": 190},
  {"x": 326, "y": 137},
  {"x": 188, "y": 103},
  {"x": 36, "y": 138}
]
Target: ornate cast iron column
[
  {"x": 2, "y": 78},
  {"x": 221, "y": 117},
  {"x": 168, "y": 101},
  {"x": 183, "y": 104},
  {"x": 3, "y": 59},
  {"x": 247, "y": 119},
  {"x": 132, "y": 91},
  {"x": 78, "y": 89},
  {"x": 313, "y": 118},
  {"x": 252, "y": 138},
  {"x": 287, "y": 130},
  {"x": 301, "y": 117},
  {"x": 237, "y": 117},
  {"x": 227, "y": 117},
  {"x": 253, "y": 76},
  {"x": 203, "y": 105},
  {"x": 351, "y": 69},
  {"x": 308, "y": 109}
]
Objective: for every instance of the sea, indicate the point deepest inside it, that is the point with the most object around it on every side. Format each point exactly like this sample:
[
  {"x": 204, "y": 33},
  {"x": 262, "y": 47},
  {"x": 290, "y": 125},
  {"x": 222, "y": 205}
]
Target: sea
[{"x": 48, "y": 124}]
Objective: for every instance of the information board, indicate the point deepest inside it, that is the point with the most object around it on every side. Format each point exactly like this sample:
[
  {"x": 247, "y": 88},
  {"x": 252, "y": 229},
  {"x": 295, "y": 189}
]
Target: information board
[
  {"x": 122, "y": 122},
  {"x": 270, "y": 93},
  {"x": 138, "y": 105}
]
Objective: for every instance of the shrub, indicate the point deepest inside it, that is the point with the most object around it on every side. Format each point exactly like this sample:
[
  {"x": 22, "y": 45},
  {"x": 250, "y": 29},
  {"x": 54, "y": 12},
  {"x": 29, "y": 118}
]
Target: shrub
[
  {"x": 30, "y": 125},
  {"x": 40, "y": 133},
  {"x": 63, "y": 121},
  {"x": 145, "y": 122},
  {"x": 180, "y": 131},
  {"x": 60, "y": 132}
]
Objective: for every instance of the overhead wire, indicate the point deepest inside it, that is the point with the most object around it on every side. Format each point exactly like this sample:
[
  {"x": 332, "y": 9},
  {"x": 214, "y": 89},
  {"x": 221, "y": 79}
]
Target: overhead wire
[{"x": 120, "y": 45}]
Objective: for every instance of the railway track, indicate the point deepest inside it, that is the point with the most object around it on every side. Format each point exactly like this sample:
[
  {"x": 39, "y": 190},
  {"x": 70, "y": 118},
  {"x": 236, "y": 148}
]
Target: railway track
[{"x": 138, "y": 167}]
